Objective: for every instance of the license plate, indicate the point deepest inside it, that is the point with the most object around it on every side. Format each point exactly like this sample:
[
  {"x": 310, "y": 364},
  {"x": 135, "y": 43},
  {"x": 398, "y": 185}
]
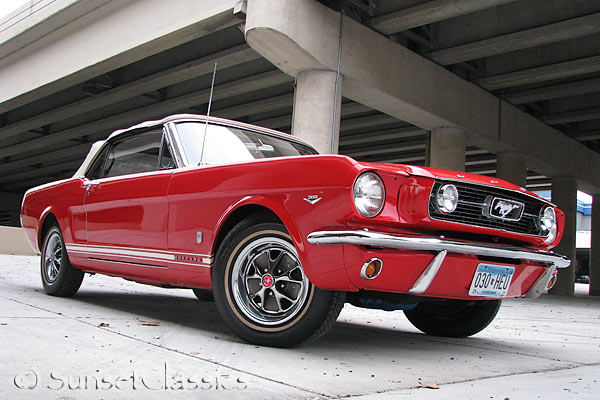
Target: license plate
[{"x": 491, "y": 280}]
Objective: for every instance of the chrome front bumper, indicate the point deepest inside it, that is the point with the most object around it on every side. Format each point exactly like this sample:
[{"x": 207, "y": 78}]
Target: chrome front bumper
[{"x": 442, "y": 247}]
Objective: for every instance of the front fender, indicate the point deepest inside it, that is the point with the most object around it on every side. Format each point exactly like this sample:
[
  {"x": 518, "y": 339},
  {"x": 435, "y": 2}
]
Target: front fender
[{"x": 323, "y": 265}]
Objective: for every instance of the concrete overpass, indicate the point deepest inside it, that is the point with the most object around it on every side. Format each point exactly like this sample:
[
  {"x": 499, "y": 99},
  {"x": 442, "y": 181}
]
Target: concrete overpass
[{"x": 500, "y": 87}]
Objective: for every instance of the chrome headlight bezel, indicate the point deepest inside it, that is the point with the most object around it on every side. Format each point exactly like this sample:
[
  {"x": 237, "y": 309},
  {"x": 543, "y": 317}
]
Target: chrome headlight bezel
[
  {"x": 368, "y": 194},
  {"x": 446, "y": 198},
  {"x": 548, "y": 224}
]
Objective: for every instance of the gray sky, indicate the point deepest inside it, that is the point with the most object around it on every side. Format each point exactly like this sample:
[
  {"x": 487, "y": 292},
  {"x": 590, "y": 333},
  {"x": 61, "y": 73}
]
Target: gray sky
[{"x": 8, "y": 6}]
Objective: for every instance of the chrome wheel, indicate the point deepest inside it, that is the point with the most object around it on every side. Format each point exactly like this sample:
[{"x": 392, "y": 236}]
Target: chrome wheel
[
  {"x": 59, "y": 277},
  {"x": 268, "y": 284},
  {"x": 262, "y": 291},
  {"x": 52, "y": 257}
]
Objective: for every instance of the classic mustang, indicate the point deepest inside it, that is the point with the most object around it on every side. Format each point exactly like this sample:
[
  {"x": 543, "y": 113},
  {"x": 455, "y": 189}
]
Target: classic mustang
[{"x": 283, "y": 237}]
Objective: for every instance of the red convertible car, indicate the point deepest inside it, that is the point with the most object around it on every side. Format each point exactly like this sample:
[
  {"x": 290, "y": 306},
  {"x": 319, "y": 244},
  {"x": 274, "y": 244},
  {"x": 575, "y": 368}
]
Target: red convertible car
[{"x": 284, "y": 237}]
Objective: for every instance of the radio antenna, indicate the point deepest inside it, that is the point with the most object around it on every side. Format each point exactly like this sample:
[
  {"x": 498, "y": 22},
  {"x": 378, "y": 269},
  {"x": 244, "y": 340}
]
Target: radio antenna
[{"x": 210, "y": 96}]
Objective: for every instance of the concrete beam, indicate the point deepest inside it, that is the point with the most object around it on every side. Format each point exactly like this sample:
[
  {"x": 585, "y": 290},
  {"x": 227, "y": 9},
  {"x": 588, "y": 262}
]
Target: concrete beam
[
  {"x": 411, "y": 157},
  {"x": 281, "y": 122},
  {"x": 166, "y": 107},
  {"x": 586, "y": 136},
  {"x": 543, "y": 144},
  {"x": 427, "y": 13},
  {"x": 386, "y": 149},
  {"x": 366, "y": 122},
  {"x": 407, "y": 160},
  {"x": 66, "y": 154},
  {"x": 385, "y": 76},
  {"x": 41, "y": 172},
  {"x": 40, "y": 18},
  {"x": 541, "y": 74},
  {"x": 539, "y": 36},
  {"x": 352, "y": 108},
  {"x": 224, "y": 59},
  {"x": 553, "y": 92},
  {"x": 139, "y": 29},
  {"x": 571, "y": 116},
  {"x": 255, "y": 107},
  {"x": 389, "y": 134},
  {"x": 480, "y": 161},
  {"x": 23, "y": 185},
  {"x": 297, "y": 36}
]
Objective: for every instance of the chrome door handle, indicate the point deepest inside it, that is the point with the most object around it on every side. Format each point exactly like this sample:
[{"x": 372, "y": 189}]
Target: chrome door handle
[{"x": 88, "y": 185}]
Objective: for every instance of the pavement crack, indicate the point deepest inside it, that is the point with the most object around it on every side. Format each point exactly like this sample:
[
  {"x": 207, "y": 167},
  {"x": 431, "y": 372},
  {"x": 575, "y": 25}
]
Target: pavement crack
[
  {"x": 312, "y": 392},
  {"x": 456, "y": 382}
]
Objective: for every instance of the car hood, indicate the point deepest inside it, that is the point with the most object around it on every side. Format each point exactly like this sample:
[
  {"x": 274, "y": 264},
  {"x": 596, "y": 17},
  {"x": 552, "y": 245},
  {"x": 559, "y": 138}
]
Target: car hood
[{"x": 438, "y": 173}]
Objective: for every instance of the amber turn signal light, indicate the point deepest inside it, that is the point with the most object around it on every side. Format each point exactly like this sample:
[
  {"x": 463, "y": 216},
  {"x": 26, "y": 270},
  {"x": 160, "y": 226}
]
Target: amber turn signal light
[
  {"x": 371, "y": 269},
  {"x": 552, "y": 280}
]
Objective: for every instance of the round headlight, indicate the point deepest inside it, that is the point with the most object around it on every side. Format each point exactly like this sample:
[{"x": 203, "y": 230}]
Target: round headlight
[
  {"x": 369, "y": 194},
  {"x": 548, "y": 223},
  {"x": 447, "y": 198},
  {"x": 547, "y": 218}
]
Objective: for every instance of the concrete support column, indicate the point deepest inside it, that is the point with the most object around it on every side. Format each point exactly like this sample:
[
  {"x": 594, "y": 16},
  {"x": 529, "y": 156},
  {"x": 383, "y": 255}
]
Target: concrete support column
[
  {"x": 595, "y": 248},
  {"x": 512, "y": 166},
  {"x": 564, "y": 195},
  {"x": 447, "y": 148},
  {"x": 317, "y": 109}
]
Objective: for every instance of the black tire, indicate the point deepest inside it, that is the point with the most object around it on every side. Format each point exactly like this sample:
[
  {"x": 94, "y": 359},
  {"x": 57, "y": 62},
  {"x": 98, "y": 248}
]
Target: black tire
[
  {"x": 59, "y": 277},
  {"x": 203, "y": 294},
  {"x": 453, "y": 318},
  {"x": 291, "y": 310}
]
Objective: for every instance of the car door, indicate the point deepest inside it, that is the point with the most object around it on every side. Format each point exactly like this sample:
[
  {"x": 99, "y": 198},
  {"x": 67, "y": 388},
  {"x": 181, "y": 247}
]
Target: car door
[{"x": 126, "y": 204}]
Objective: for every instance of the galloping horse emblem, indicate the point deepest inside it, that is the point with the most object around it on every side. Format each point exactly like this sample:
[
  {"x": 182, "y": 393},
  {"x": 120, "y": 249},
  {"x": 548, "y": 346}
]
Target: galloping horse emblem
[{"x": 504, "y": 208}]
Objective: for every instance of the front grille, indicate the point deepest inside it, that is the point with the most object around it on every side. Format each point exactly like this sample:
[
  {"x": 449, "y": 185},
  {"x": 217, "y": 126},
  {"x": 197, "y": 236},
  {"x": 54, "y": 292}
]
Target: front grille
[{"x": 472, "y": 202}]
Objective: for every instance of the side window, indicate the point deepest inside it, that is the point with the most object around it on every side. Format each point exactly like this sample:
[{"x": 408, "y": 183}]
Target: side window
[
  {"x": 166, "y": 159},
  {"x": 97, "y": 167},
  {"x": 134, "y": 154}
]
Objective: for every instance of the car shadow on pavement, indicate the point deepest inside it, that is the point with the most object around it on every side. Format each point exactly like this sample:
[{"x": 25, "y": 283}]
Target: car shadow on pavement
[
  {"x": 203, "y": 315},
  {"x": 168, "y": 308},
  {"x": 189, "y": 312}
]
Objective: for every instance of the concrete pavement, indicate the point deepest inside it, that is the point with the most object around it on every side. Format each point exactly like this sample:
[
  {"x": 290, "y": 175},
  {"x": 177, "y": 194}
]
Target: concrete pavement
[{"x": 117, "y": 339}]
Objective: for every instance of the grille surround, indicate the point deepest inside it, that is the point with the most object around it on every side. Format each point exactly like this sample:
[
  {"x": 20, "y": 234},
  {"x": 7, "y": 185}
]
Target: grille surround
[{"x": 472, "y": 201}]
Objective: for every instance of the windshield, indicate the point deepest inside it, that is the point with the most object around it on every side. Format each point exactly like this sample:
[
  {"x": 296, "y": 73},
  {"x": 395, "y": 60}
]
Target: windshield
[{"x": 228, "y": 145}]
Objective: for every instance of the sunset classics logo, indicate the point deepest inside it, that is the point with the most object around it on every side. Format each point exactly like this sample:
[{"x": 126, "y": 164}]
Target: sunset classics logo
[{"x": 165, "y": 379}]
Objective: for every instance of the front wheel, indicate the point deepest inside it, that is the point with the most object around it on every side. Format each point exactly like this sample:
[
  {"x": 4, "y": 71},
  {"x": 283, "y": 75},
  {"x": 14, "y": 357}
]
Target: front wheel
[
  {"x": 453, "y": 318},
  {"x": 59, "y": 277},
  {"x": 262, "y": 292}
]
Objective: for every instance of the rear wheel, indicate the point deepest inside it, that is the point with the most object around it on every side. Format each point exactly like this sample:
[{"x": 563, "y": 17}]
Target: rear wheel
[
  {"x": 453, "y": 318},
  {"x": 262, "y": 292},
  {"x": 59, "y": 277}
]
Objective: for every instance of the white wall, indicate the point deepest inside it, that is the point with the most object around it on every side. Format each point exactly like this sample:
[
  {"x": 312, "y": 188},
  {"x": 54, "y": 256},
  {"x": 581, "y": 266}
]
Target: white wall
[{"x": 13, "y": 241}]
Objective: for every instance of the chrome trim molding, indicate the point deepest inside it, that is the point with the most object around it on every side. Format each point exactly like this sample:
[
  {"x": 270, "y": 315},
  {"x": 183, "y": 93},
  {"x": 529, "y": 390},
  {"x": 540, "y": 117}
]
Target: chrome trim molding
[
  {"x": 532, "y": 195},
  {"x": 363, "y": 269},
  {"x": 128, "y": 263},
  {"x": 486, "y": 186},
  {"x": 367, "y": 238},
  {"x": 424, "y": 280},
  {"x": 141, "y": 254},
  {"x": 213, "y": 120}
]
